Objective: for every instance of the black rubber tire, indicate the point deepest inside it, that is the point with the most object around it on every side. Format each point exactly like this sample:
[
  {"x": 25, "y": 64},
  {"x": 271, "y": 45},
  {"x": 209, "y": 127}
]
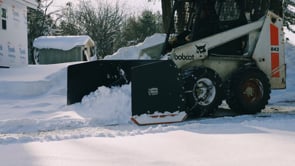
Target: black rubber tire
[
  {"x": 203, "y": 91},
  {"x": 248, "y": 91}
]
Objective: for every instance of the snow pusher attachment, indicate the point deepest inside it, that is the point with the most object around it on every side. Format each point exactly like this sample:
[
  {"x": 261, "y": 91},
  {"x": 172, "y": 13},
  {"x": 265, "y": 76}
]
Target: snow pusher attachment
[
  {"x": 156, "y": 86},
  {"x": 157, "y": 93},
  {"x": 107, "y": 73}
]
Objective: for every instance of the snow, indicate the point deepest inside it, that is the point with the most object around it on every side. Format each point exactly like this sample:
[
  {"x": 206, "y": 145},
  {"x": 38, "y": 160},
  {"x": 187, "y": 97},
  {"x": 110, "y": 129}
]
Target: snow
[
  {"x": 61, "y": 42},
  {"x": 107, "y": 106},
  {"x": 135, "y": 52},
  {"x": 38, "y": 128}
]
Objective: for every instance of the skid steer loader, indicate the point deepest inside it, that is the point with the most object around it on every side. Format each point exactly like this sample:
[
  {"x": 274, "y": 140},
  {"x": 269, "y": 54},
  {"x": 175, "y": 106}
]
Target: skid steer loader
[{"x": 218, "y": 50}]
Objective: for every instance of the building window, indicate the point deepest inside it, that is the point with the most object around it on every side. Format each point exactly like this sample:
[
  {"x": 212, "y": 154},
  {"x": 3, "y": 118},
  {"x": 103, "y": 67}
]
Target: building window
[{"x": 4, "y": 18}]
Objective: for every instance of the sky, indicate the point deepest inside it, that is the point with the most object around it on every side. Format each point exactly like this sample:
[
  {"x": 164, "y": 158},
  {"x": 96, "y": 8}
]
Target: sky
[{"x": 132, "y": 6}]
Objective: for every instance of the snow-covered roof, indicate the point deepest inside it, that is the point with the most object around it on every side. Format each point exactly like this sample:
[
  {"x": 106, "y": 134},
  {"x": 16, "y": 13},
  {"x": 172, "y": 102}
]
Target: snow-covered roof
[{"x": 62, "y": 42}]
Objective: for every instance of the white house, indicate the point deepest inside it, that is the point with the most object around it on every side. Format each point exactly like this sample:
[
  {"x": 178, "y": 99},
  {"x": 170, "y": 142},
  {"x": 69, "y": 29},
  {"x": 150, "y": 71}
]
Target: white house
[{"x": 13, "y": 32}]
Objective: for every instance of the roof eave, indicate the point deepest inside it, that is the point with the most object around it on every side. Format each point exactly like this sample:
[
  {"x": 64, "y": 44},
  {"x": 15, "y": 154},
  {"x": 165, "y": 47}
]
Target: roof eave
[{"x": 29, "y": 3}]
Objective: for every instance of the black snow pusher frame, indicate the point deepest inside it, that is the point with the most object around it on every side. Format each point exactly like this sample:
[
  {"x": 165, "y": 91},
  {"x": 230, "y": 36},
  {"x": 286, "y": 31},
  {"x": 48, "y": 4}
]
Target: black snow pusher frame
[{"x": 156, "y": 86}]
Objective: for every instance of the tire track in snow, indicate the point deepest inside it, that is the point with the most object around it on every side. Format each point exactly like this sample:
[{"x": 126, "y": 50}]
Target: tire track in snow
[{"x": 272, "y": 118}]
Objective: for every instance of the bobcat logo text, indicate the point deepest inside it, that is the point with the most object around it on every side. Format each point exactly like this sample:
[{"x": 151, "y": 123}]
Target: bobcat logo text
[{"x": 184, "y": 57}]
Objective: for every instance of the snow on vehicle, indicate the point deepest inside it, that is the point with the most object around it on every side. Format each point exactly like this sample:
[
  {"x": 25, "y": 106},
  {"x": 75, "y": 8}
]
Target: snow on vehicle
[{"x": 218, "y": 50}]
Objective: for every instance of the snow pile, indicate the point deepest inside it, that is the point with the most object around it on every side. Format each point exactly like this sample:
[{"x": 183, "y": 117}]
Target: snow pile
[
  {"x": 61, "y": 42},
  {"x": 107, "y": 105},
  {"x": 32, "y": 80},
  {"x": 135, "y": 52},
  {"x": 34, "y": 99}
]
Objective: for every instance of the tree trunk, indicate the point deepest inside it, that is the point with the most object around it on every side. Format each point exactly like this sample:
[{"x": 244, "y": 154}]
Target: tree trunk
[{"x": 166, "y": 11}]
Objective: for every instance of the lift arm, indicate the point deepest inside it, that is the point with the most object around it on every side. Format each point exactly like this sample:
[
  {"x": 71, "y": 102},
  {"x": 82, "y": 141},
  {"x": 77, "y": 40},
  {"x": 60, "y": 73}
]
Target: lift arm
[{"x": 199, "y": 49}]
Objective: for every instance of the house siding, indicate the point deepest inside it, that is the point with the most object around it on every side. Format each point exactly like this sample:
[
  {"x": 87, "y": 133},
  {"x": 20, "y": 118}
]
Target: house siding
[{"x": 13, "y": 34}]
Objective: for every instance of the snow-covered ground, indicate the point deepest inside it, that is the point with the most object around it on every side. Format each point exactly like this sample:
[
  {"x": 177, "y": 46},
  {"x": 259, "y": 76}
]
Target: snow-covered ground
[{"x": 37, "y": 128}]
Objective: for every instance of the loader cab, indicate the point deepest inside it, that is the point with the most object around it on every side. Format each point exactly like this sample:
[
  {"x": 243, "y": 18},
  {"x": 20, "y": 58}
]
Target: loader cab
[
  {"x": 231, "y": 14},
  {"x": 197, "y": 19},
  {"x": 191, "y": 20}
]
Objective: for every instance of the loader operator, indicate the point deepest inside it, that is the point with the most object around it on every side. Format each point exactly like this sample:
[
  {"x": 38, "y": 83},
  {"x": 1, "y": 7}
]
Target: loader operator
[
  {"x": 204, "y": 22},
  {"x": 231, "y": 14},
  {"x": 211, "y": 17}
]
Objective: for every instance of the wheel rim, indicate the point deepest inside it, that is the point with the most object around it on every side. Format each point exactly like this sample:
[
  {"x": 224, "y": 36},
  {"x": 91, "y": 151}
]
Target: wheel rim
[
  {"x": 204, "y": 91},
  {"x": 252, "y": 91}
]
